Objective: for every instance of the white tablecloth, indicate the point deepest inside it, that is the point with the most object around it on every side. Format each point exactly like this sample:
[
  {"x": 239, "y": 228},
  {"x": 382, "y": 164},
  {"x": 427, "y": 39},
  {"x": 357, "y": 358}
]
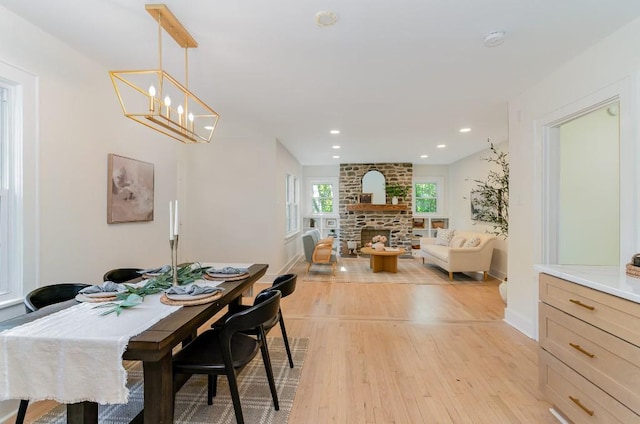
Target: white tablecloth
[{"x": 74, "y": 355}]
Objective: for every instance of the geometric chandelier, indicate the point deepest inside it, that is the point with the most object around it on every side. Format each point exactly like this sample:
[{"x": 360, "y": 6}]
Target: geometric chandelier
[{"x": 156, "y": 99}]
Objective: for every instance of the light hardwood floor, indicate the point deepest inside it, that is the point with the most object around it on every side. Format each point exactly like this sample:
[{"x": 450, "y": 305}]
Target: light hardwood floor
[{"x": 405, "y": 353}]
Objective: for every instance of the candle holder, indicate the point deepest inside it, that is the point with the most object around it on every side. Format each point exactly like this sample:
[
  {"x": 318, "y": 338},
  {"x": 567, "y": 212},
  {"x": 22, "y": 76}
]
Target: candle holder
[{"x": 174, "y": 259}]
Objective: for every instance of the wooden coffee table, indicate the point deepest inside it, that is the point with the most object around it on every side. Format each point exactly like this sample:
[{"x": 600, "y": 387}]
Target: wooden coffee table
[{"x": 386, "y": 260}]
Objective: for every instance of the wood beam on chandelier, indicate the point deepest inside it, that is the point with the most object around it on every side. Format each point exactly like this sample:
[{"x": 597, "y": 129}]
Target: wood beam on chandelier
[{"x": 171, "y": 24}]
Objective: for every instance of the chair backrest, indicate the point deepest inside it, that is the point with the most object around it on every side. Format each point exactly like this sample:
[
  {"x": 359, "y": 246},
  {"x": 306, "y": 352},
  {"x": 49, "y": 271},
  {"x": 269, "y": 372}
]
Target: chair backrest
[
  {"x": 48, "y": 295},
  {"x": 286, "y": 283},
  {"x": 265, "y": 309},
  {"x": 308, "y": 245},
  {"x": 120, "y": 275}
]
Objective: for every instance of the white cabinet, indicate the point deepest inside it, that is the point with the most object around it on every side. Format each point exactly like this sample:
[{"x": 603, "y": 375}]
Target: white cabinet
[
  {"x": 428, "y": 226},
  {"x": 589, "y": 353}
]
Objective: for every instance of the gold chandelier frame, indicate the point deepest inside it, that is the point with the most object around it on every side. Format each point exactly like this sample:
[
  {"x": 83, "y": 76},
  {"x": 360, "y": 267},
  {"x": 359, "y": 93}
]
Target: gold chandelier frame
[{"x": 157, "y": 100}]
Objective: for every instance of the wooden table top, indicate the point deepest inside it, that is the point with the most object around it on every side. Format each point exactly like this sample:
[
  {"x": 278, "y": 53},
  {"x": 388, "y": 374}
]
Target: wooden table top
[{"x": 372, "y": 251}]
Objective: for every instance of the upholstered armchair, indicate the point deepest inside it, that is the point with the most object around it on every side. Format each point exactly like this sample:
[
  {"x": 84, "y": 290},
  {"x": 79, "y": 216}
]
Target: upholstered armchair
[{"x": 319, "y": 251}]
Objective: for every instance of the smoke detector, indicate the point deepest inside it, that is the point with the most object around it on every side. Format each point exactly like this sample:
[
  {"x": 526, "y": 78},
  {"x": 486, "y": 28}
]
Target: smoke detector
[
  {"x": 326, "y": 19},
  {"x": 494, "y": 39}
]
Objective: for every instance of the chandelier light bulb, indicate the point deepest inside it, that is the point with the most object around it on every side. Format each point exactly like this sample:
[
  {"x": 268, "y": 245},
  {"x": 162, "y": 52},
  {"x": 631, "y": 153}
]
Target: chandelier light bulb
[
  {"x": 191, "y": 117},
  {"x": 180, "y": 112},
  {"x": 152, "y": 98},
  {"x": 167, "y": 101}
]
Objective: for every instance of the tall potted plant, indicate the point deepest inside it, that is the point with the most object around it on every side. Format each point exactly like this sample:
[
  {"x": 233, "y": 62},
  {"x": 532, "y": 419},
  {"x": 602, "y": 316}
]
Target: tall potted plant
[{"x": 492, "y": 197}]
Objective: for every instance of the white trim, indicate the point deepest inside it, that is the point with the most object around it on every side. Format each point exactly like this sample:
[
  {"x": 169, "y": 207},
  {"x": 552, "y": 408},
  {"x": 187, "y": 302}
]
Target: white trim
[{"x": 24, "y": 272}]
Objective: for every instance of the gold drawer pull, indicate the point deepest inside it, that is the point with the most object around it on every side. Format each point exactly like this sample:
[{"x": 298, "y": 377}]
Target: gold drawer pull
[
  {"x": 577, "y": 302},
  {"x": 580, "y": 349},
  {"x": 584, "y": 408}
]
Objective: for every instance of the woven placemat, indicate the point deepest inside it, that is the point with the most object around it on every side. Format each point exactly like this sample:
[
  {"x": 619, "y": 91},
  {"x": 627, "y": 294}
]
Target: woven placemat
[
  {"x": 82, "y": 298},
  {"x": 229, "y": 278},
  {"x": 215, "y": 296}
]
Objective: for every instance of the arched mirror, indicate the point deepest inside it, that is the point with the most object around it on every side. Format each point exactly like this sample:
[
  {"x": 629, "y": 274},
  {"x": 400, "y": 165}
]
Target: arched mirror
[{"x": 374, "y": 182}]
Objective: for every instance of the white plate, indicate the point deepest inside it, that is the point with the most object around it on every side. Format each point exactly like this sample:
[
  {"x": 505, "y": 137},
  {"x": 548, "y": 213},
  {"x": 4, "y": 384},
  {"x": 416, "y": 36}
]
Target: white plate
[
  {"x": 188, "y": 296},
  {"x": 216, "y": 275}
]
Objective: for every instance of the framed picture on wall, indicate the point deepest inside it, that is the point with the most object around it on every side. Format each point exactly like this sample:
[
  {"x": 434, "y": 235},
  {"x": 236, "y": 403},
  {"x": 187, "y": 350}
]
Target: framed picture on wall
[
  {"x": 365, "y": 197},
  {"x": 130, "y": 190},
  {"x": 331, "y": 223}
]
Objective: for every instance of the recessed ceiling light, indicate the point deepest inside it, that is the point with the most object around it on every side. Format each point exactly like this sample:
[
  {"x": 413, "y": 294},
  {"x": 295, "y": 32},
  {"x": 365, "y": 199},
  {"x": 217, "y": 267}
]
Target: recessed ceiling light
[
  {"x": 424, "y": 156},
  {"x": 326, "y": 19},
  {"x": 494, "y": 39},
  {"x": 465, "y": 130},
  {"x": 336, "y": 157},
  {"x": 334, "y": 131},
  {"x": 335, "y": 147},
  {"x": 441, "y": 146}
]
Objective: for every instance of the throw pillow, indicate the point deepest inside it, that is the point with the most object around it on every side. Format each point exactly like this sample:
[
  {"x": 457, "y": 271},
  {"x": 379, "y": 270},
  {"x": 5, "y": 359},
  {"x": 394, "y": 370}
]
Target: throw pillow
[
  {"x": 472, "y": 242},
  {"x": 457, "y": 241},
  {"x": 444, "y": 237}
]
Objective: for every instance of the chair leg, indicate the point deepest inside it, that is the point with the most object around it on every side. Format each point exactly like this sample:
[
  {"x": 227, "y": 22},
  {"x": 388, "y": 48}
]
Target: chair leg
[
  {"x": 485, "y": 275},
  {"x": 22, "y": 411},
  {"x": 267, "y": 367},
  {"x": 333, "y": 269},
  {"x": 286, "y": 340},
  {"x": 450, "y": 276},
  {"x": 212, "y": 388},
  {"x": 235, "y": 396},
  {"x": 308, "y": 267}
]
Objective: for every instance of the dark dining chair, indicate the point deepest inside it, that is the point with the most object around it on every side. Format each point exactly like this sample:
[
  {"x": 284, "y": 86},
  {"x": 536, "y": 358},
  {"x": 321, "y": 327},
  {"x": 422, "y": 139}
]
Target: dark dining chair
[
  {"x": 226, "y": 351},
  {"x": 121, "y": 275},
  {"x": 286, "y": 284},
  {"x": 39, "y": 298}
]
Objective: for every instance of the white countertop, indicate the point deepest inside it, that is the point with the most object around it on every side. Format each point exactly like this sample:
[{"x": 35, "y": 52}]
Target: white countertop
[{"x": 607, "y": 279}]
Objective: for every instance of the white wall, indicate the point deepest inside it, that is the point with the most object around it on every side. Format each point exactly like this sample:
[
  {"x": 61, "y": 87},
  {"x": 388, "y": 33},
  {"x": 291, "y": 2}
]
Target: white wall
[
  {"x": 462, "y": 176},
  {"x": 614, "y": 61},
  {"x": 80, "y": 123}
]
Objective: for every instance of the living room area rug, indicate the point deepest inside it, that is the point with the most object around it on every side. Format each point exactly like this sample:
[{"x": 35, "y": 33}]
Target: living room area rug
[
  {"x": 356, "y": 270},
  {"x": 191, "y": 400}
]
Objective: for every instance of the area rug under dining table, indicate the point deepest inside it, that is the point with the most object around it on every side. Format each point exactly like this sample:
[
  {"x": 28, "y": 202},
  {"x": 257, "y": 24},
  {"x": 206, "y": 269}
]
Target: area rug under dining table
[{"x": 191, "y": 400}]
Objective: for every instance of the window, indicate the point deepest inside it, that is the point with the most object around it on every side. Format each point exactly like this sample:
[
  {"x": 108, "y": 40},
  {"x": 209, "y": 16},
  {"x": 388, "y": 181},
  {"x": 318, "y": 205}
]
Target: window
[
  {"x": 292, "y": 204},
  {"x": 428, "y": 197},
  {"x": 18, "y": 182},
  {"x": 323, "y": 195},
  {"x": 322, "y": 198}
]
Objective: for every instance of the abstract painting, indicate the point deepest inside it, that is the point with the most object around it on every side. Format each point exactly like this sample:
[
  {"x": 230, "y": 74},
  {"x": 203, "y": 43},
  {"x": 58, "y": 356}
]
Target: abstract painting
[{"x": 130, "y": 191}]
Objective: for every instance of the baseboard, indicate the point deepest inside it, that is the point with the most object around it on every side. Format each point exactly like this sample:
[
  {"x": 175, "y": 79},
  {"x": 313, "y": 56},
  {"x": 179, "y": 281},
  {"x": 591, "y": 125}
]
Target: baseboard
[{"x": 520, "y": 323}]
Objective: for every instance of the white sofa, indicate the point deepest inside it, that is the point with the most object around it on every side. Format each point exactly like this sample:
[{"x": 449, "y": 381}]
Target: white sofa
[{"x": 460, "y": 259}]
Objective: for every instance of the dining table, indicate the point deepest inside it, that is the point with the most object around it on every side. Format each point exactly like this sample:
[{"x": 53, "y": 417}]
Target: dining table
[{"x": 153, "y": 347}]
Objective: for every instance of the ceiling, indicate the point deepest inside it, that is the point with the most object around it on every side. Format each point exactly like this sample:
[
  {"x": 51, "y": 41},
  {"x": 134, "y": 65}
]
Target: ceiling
[{"x": 396, "y": 78}]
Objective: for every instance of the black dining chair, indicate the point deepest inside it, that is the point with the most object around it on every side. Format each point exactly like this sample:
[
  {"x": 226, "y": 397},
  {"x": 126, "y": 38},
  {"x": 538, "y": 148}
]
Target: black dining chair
[
  {"x": 121, "y": 275},
  {"x": 286, "y": 284},
  {"x": 39, "y": 298},
  {"x": 227, "y": 350}
]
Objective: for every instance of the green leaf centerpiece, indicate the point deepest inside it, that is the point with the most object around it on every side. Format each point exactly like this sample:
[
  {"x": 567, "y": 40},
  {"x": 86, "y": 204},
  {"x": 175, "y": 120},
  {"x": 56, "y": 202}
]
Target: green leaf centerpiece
[{"x": 133, "y": 296}]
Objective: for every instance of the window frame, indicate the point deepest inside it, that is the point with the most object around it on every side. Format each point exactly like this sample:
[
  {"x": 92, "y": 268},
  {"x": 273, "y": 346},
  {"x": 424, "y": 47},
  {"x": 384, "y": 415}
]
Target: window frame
[
  {"x": 292, "y": 205},
  {"x": 335, "y": 189},
  {"x": 18, "y": 212},
  {"x": 440, "y": 190}
]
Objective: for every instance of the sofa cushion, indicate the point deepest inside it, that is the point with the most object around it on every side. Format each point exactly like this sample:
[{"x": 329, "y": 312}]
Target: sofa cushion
[
  {"x": 472, "y": 242},
  {"x": 444, "y": 236},
  {"x": 437, "y": 251},
  {"x": 457, "y": 241}
]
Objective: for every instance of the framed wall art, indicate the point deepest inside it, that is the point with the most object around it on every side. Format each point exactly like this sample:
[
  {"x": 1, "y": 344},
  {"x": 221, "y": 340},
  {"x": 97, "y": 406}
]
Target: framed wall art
[
  {"x": 331, "y": 223},
  {"x": 130, "y": 190},
  {"x": 365, "y": 197}
]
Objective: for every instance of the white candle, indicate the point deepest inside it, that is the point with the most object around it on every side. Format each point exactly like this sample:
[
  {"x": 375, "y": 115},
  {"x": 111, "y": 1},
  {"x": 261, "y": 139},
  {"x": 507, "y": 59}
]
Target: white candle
[
  {"x": 170, "y": 220},
  {"x": 177, "y": 222}
]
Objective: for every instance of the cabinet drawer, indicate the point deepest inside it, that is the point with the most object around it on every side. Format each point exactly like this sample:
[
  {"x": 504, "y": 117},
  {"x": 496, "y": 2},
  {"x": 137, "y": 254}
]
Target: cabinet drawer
[
  {"x": 607, "y": 361},
  {"x": 617, "y": 316},
  {"x": 577, "y": 398}
]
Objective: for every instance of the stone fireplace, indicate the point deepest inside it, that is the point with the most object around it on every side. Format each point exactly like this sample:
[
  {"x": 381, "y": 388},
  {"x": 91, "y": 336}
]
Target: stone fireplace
[{"x": 356, "y": 218}]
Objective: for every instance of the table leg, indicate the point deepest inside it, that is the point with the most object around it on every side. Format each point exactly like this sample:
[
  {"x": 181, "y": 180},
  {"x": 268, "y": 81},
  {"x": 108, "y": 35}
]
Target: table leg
[
  {"x": 158, "y": 391},
  {"x": 82, "y": 413}
]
